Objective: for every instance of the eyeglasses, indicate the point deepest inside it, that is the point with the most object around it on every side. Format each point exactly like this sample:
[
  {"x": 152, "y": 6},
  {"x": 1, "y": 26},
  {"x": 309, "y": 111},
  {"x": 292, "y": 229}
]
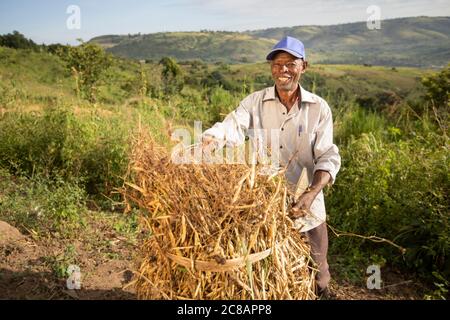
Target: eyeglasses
[{"x": 291, "y": 66}]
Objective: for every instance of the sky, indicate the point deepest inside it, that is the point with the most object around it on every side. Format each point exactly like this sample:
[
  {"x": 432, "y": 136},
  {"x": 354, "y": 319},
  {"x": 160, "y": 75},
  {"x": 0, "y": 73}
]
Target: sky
[{"x": 52, "y": 21}]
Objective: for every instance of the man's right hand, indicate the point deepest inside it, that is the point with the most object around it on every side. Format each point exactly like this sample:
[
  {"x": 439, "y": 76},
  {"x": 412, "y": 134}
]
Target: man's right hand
[
  {"x": 208, "y": 141},
  {"x": 208, "y": 145}
]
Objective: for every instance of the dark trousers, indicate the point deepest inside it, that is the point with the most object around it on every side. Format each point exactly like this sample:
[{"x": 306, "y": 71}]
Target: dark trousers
[{"x": 318, "y": 240}]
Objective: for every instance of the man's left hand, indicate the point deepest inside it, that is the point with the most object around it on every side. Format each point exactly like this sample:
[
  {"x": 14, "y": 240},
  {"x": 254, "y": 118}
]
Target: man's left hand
[{"x": 302, "y": 206}]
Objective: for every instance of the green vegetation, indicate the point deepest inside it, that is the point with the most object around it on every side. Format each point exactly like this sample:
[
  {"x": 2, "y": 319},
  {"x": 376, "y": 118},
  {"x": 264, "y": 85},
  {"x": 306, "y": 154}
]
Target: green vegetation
[
  {"x": 87, "y": 62},
  {"x": 438, "y": 88},
  {"x": 399, "y": 191},
  {"x": 206, "y": 46},
  {"x": 395, "y": 162},
  {"x": 171, "y": 75},
  {"x": 38, "y": 205},
  {"x": 16, "y": 40},
  {"x": 417, "y": 42},
  {"x": 63, "y": 156}
]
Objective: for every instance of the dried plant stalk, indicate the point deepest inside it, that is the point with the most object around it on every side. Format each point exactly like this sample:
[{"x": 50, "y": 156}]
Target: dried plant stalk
[{"x": 214, "y": 231}]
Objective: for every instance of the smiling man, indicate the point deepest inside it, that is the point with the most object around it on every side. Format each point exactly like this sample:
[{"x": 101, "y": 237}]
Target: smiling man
[{"x": 303, "y": 125}]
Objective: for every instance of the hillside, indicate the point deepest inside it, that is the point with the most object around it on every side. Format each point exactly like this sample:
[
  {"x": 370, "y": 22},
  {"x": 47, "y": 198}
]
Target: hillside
[
  {"x": 42, "y": 77},
  {"x": 421, "y": 41},
  {"x": 418, "y": 41},
  {"x": 207, "y": 46}
]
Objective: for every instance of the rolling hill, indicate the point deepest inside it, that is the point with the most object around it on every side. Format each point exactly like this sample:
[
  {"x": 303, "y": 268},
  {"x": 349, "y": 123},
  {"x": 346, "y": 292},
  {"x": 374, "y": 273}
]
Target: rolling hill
[
  {"x": 207, "y": 46},
  {"x": 417, "y": 41}
]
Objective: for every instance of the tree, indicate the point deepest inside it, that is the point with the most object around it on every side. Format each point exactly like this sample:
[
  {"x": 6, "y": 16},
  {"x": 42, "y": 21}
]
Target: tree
[
  {"x": 217, "y": 79},
  {"x": 87, "y": 62},
  {"x": 438, "y": 88},
  {"x": 16, "y": 40},
  {"x": 172, "y": 75},
  {"x": 57, "y": 49}
]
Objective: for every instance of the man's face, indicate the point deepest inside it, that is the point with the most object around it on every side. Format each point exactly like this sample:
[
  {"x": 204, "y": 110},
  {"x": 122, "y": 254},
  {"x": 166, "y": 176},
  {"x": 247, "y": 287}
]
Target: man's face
[{"x": 286, "y": 71}]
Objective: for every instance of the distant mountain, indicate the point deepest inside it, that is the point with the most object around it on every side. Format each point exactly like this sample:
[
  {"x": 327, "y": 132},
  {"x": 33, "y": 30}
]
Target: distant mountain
[
  {"x": 207, "y": 46},
  {"x": 421, "y": 41},
  {"x": 418, "y": 41}
]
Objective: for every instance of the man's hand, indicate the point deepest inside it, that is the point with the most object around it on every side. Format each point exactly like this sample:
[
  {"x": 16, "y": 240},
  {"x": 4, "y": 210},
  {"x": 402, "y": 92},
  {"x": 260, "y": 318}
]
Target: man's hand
[
  {"x": 209, "y": 144},
  {"x": 303, "y": 204},
  {"x": 207, "y": 141}
]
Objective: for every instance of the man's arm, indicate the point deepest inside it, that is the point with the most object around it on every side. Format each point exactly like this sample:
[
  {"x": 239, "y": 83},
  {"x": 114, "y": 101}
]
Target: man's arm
[
  {"x": 326, "y": 153},
  {"x": 328, "y": 163},
  {"x": 231, "y": 130},
  {"x": 304, "y": 202}
]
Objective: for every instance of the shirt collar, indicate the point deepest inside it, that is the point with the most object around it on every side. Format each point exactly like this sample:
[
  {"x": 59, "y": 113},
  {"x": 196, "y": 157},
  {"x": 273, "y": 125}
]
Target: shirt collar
[{"x": 306, "y": 95}]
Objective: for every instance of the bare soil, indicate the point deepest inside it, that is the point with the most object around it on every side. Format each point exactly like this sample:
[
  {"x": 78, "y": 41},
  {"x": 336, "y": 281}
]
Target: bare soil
[{"x": 106, "y": 261}]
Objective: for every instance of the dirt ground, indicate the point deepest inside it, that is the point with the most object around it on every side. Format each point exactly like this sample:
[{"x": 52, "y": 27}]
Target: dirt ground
[{"x": 29, "y": 270}]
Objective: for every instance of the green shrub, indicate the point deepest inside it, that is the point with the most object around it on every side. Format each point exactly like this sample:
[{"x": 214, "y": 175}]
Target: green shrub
[
  {"x": 56, "y": 143},
  {"x": 105, "y": 158},
  {"x": 59, "y": 263},
  {"x": 35, "y": 143},
  {"x": 10, "y": 95},
  {"x": 438, "y": 88},
  {"x": 217, "y": 79},
  {"x": 352, "y": 121},
  {"x": 172, "y": 76},
  {"x": 87, "y": 62},
  {"x": 39, "y": 205},
  {"x": 398, "y": 191},
  {"x": 222, "y": 102}
]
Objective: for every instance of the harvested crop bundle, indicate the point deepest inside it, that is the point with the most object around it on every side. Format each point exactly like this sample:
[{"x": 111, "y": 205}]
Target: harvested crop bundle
[{"x": 215, "y": 231}]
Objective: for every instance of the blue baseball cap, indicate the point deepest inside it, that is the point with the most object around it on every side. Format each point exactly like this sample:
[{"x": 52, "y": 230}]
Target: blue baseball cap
[{"x": 289, "y": 45}]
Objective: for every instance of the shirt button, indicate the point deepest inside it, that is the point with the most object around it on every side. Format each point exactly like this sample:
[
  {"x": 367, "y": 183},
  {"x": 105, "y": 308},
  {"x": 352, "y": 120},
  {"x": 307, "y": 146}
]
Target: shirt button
[
  {"x": 281, "y": 147},
  {"x": 282, "y": 129},
  {"x": 284, "y": 113}
]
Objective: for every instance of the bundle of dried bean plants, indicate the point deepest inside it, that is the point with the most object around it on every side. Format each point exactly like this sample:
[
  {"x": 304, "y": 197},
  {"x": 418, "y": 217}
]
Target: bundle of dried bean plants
[{"x": 214, "y": 231}]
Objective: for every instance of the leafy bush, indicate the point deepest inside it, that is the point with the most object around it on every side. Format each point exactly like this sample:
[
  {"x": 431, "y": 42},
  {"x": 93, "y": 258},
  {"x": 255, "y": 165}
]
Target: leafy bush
[
  {"x": 9, "y": 95},
  {"x": 33, "y": 143},
  {"x": 40, "y": 205},
  {"x": 353, "y": 121},
  {"x": 172, "y": 76},
  {"x": 105, "y": 157},
  {"x": 217, "y": 79},
  {"x": 87, "y": 62},
  {"x": 222, "y": 102},
  {"x": 56, "y": 143},
  {"x": 438, "y": 88},
  {"x": 399, "y": 191}
]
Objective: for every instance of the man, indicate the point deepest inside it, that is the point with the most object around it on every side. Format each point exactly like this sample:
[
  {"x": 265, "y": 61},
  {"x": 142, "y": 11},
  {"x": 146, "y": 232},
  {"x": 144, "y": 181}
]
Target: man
[{"x": 304, "y": 127}]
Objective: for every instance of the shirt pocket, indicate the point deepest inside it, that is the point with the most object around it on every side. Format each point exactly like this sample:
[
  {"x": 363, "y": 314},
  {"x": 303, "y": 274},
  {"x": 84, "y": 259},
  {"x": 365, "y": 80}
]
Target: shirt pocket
[{"x": 305, "y": 148}]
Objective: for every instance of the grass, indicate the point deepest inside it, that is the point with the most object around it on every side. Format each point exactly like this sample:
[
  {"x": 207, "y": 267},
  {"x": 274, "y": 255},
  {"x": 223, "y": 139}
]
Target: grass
[
  {"x": 60, "y": 263},
  {"x": 39, "y": 206}
]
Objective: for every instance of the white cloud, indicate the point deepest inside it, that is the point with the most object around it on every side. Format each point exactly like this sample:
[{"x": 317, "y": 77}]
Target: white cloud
[{"x": 300, "y": 12}]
